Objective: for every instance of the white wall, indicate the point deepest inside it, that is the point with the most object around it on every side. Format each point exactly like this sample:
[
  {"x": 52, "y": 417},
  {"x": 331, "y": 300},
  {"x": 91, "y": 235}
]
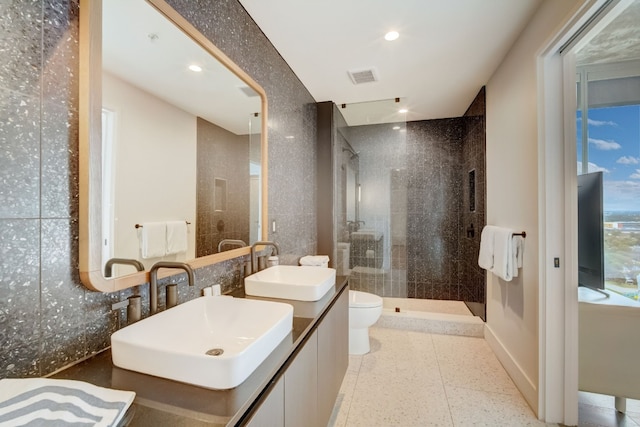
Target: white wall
[
  {"x": 156, "y": 165},
  {"x": 512, "y": 194}
]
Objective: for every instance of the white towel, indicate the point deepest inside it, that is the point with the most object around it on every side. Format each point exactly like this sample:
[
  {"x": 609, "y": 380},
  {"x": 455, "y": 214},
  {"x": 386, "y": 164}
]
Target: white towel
[
  {"x": 176, "y": 237},
  {"x": 517, "y": 253},
  {"x": 503, "y": 254},
  {"x": 485, "y": 257},
  {"x": 315, "y": 260},
  {"x": 43, "y": 401},
  {"x": 153, "y": 239}
]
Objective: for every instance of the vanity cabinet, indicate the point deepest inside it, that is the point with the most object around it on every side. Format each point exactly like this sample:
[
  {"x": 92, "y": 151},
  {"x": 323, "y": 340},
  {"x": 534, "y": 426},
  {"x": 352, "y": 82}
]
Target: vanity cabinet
[
  {"x": 333, "y": 356},
  {"x": 306, "y": 393},
  {"x": 271, "y": 411},
  {"x": 301, "y": 386}
]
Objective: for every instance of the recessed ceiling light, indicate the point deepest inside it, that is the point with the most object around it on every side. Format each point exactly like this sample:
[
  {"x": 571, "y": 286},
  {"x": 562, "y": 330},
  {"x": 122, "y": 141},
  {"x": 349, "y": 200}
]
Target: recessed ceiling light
[
  {"x": 391, "y": 36},
  {"x": 195, "y": 68},
  {"x": 402, "y": 111}
]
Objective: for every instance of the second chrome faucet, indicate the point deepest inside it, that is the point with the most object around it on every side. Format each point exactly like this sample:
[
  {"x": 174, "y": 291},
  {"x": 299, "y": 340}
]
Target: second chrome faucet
[
  {"x": 153, "y": 280},
  {"x": 254, "y": 258}
]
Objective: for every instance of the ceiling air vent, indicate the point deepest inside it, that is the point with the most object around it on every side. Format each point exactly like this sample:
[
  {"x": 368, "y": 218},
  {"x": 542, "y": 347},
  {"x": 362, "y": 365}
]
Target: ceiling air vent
[{"x": 363, "y": 76}]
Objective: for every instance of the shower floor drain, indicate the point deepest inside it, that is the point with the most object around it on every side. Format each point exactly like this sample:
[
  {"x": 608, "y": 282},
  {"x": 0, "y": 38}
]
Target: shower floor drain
[{"x": 214, "y": 352}]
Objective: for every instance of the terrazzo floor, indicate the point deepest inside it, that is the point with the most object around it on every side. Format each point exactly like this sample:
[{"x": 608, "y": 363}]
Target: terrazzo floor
[{"x": 419, "y": 379}]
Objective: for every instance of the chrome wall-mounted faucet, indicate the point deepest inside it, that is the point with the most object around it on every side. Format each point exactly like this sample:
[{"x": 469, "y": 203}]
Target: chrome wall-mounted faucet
[
  {"x": 153, "y": 280},
  {"x": 254, "y": 260},
  {"x": 108, "y": 267}
]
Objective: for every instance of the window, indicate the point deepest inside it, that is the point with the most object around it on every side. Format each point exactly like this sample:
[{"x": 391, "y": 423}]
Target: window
[{"x": 608, "y": 140}]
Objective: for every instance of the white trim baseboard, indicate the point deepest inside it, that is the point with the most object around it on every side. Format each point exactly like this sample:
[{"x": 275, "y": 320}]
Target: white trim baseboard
[{"x": 519, "y": 377}]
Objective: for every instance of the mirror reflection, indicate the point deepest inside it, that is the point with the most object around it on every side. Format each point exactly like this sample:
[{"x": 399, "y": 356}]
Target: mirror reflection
[{"x": 181, "y": 144}]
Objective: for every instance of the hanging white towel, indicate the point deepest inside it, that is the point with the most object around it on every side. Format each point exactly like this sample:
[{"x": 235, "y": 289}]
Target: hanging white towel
[
  {"x": 485, "y": 257},
  {"x": 176, "y": 237},
  {"x": 503, "y": 258},
  {"x": 315, "y": 260},
  {"x": 517, "y": 253},
  {"x": 43, "y": 401},
  {"x": 153, "y": 239}
]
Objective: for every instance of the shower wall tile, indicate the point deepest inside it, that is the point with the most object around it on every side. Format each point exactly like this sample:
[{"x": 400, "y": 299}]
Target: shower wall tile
[
  {"x": 472, "y": 277},
  {"x": 426, "y": 178},
  {"x": 434, "y": 195}
]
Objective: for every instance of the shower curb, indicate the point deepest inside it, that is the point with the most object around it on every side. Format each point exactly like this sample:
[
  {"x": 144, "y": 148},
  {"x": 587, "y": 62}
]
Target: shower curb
[{"x": 432, "y": 323}]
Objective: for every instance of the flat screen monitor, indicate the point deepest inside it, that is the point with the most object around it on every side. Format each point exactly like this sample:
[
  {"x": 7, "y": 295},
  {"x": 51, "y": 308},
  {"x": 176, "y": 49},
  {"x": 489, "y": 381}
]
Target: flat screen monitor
[{"x": 590, "y": 231}]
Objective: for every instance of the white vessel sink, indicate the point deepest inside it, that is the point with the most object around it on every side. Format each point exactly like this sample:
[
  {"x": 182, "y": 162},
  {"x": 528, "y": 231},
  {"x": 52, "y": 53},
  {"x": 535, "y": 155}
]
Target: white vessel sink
[
  {"x": 183, "y": 343},
  {"x": 301, "y": 283}
]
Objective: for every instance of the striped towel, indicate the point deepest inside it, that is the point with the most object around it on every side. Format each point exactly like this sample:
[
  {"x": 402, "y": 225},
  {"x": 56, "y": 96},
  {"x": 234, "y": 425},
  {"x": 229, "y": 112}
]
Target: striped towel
[{"x": 46, "y": 402}]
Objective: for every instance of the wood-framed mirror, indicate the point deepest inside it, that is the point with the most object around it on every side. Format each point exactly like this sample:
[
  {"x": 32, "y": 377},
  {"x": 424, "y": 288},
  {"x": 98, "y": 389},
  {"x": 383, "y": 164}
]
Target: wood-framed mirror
[{"x": 140, "y": 187}]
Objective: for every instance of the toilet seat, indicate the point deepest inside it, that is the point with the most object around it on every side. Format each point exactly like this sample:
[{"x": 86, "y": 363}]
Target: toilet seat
[{"x": 358, "y": 299}]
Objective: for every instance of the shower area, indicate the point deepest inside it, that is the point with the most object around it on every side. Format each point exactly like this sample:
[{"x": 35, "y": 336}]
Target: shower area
[{"x": 408, "y": 200}]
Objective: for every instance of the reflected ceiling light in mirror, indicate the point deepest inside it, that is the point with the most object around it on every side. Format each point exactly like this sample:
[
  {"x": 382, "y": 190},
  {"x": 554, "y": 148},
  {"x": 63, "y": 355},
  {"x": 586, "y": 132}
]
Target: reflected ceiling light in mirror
[
  {"x": 396, "y": 128},
  {"x": 195, "y": 68},
  {"x": 391, "y": 36}
]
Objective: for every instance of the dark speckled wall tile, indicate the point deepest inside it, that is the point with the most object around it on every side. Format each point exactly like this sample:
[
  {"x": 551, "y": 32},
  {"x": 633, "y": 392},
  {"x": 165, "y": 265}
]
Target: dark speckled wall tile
[
  {"x": 19, "y": 155},
  {"x": 59, "y": 162},
  {"x": 97, "y": 304},
  {"x": 434, "y": 201},
  {"x": 19, "y": 282},
  {"x": 62, "y": 347},
  {"x": 291, "y": 113},
  {"x": 20, "y": 45},
  {"x": 62, "y": 294},
  {"x": 59, "y": 109},
  {"x": 20, "y": 362},
  {"x": 98, "y": 333},
  {"x": 60, "y": 53}
]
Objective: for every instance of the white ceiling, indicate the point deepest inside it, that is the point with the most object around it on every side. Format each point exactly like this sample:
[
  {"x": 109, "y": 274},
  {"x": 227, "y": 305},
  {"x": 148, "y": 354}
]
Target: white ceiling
[
  {"x": 140, "y": 46},
  {"x": 447, "y": 50}
]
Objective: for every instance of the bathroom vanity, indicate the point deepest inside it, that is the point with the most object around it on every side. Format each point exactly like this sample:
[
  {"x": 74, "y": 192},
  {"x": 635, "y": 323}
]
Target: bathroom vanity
[{"x": 296, "y": 385}]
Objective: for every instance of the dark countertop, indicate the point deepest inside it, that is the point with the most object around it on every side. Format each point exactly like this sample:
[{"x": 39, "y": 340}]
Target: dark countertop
[{"x": 166, "y": 402}]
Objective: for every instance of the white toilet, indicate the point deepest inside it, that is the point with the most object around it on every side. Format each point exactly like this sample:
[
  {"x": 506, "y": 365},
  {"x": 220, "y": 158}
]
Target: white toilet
[{"x": 364, "y": 311}]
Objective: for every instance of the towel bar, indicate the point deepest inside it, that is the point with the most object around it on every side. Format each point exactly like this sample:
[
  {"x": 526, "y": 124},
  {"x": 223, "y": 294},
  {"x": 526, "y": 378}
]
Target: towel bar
[
  {"x": 523, "y": 234},
  {"x": 140, "y": 225}
]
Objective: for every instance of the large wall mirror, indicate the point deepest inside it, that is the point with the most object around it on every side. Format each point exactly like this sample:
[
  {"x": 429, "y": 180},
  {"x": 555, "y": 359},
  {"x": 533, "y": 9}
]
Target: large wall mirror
[{"x": 172, "y": 145}]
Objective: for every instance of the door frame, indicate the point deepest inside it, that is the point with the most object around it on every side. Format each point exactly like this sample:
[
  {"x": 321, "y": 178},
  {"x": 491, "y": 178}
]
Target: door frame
[{"x": 558, "y": 307}]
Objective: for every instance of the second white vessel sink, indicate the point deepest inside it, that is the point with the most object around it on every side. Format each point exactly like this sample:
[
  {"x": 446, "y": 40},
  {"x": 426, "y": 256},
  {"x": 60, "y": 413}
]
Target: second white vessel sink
[{"x": 301, "y": 283}]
